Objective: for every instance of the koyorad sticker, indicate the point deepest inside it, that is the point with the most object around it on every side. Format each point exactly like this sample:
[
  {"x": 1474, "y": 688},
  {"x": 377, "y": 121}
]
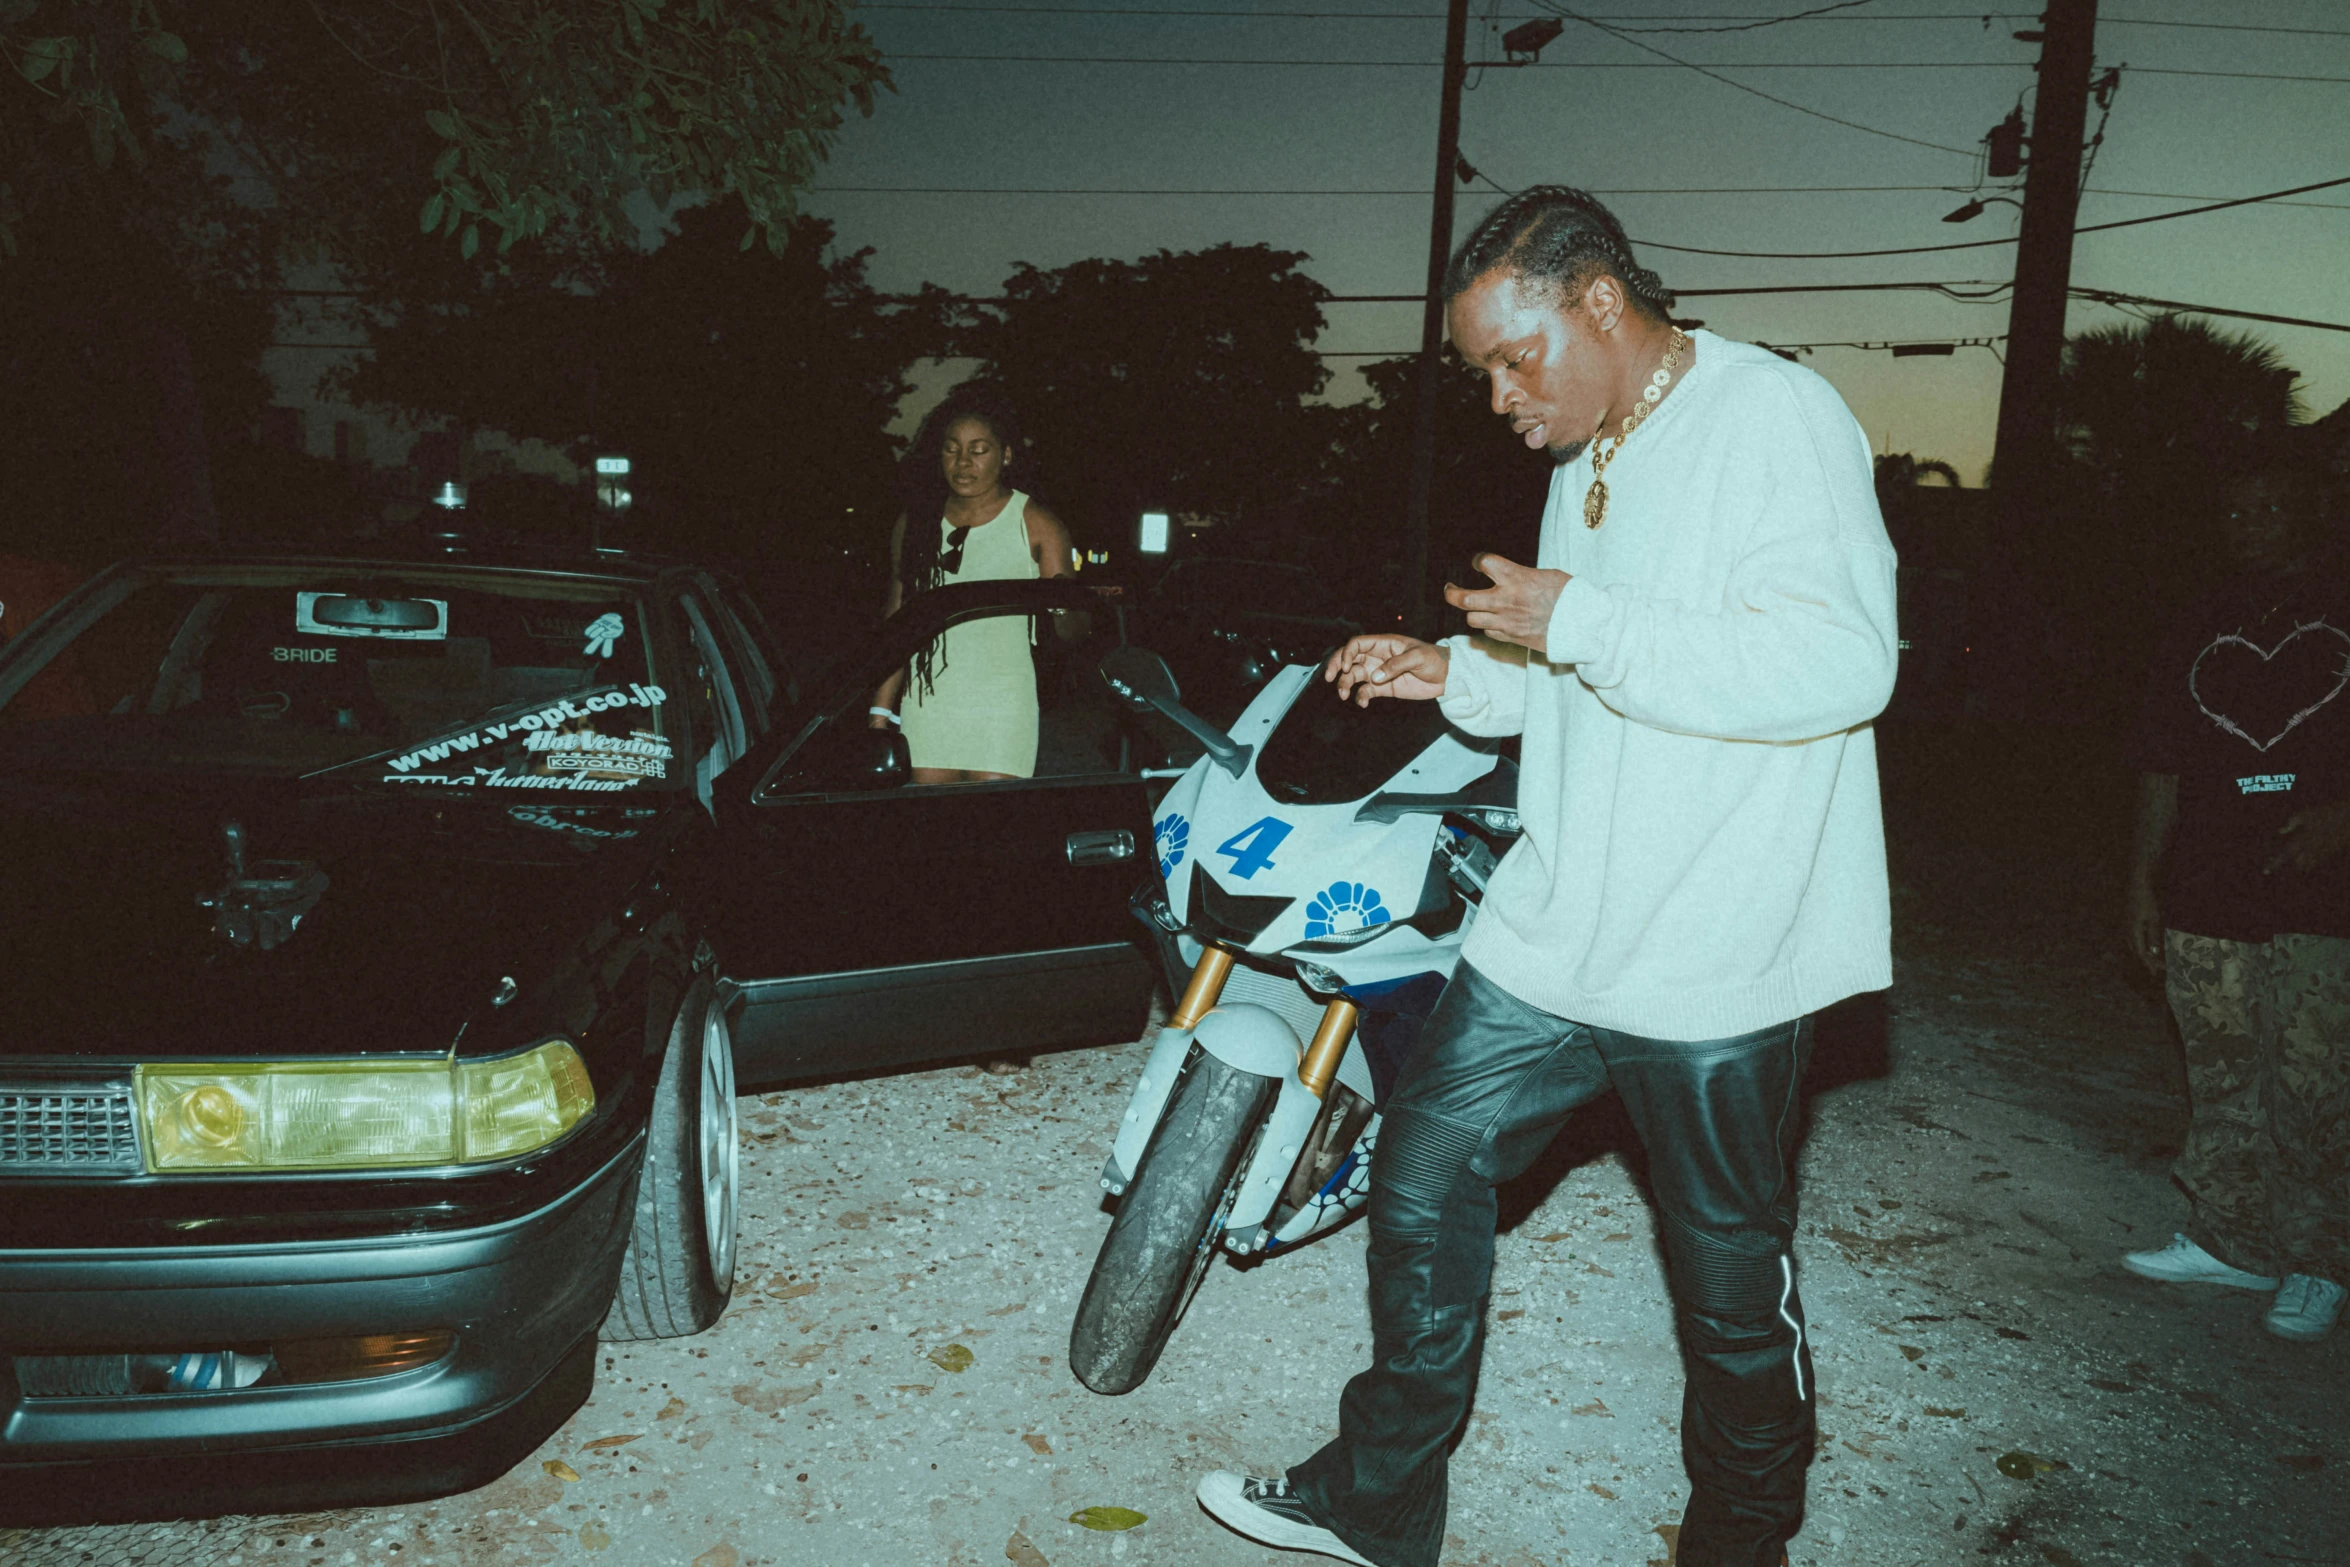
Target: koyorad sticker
[{"x": 1171, "y": 837}]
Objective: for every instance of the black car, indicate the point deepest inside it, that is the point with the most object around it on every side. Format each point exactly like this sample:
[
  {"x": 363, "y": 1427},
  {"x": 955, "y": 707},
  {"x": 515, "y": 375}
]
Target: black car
[{"x": 386, "y": 941}]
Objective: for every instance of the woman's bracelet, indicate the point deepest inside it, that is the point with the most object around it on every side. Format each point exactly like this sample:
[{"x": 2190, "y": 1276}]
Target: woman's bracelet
[{"x": 891, "y": 715}]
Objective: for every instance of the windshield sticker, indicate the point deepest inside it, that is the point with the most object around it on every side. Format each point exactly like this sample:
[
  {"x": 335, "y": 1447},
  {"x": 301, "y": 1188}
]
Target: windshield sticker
[
  {"x": 349, "y": 615},
  {"x": 499, "y": 778},
  {"x": 602, "y": 632},
  {"x": 640, "y": 754},
  {"x": 546, "y": 718},
  {"x": 540, "y": 816}
]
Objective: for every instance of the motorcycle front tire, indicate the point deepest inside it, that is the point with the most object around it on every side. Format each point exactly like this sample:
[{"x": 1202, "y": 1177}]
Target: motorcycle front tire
[{"x": 1163, "y": 1235}]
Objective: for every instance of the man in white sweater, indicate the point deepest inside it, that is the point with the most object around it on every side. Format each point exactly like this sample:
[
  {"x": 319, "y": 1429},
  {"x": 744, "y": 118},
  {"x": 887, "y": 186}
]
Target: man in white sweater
[{"x": 1692, "y": 666}]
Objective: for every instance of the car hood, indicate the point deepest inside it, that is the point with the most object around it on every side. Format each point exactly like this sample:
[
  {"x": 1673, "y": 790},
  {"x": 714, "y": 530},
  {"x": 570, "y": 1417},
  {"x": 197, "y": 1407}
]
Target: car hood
[{"x": 426, "y": 907}]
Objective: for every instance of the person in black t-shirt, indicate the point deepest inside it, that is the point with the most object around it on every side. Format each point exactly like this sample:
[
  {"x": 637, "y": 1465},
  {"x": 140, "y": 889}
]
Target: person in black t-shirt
[{"x": 2239, "y": 901}]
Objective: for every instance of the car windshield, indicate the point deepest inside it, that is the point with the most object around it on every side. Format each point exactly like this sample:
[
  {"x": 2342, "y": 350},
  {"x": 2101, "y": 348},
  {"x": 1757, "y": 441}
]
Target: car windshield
[{"x": 450, "y": 677}]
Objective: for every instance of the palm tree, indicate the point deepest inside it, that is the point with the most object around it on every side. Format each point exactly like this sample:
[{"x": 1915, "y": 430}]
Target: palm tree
[{"x": 2155, "y": 417}]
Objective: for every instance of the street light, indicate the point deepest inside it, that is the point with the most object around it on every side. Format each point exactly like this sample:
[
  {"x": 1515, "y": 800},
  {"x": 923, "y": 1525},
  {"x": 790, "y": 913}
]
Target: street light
[{"x": 1975, "y": 208}]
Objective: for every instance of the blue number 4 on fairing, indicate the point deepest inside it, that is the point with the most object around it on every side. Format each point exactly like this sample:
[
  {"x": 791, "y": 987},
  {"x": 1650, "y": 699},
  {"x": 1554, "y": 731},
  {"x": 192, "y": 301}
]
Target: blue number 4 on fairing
[{"x": 1252, "y": 847}]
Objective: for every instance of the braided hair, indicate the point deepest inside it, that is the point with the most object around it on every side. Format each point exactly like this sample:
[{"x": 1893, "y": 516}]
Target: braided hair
[
  {"x": 1560, "y": 236},
  {"x": 922, "y": 493}
]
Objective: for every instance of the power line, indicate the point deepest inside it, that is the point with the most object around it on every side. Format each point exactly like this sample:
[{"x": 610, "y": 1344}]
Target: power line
[
  {"x": 1255, "y": 15},
  {"x": 1417, "y": 194},
  {"x": 1535, "y": 65},
  {"x": 1981, "y": 244},
  {"x": 2104, "y": 296}
]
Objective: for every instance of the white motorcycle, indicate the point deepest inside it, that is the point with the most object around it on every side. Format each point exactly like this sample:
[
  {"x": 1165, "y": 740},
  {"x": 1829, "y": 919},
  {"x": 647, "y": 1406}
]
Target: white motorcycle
[{"x": 1318, "y": 868}]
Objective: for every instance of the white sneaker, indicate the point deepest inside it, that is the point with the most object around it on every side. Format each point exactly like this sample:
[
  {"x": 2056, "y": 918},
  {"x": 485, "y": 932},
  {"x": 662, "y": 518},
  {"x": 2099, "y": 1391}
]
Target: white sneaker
[
  {"x": 1267, "y": 1511},
  {"x": 2184, "y": 1262},
  {"x": 2306, "y": 1308}
]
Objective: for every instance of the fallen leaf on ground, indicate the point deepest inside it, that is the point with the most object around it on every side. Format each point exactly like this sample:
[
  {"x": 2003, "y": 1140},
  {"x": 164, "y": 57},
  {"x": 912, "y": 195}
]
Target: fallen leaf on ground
[
  {"x": 911, "y": 1387},
  {"x": 954, "y": 1357},
  {"x": 1555, "y": 1235},
  {"x": 1912, "y": 1352},
  {"x": 1620, "y": 1235},
  {"x": 1038, "y": 1445},
  {"x": 1670, "y": 1533},
  {"x": 767, "y": 1400},
  {"x": 1595, "y": 1407},
  {"x": 1005, "y": 1311},
  {"x": 671, "y": 1410},
  {"x": 1022, "y": 1552},
  {"x": 1593, "y": 1267},
  {"x": 1108, "y": 1519},
  {"x": 605, "y": 1444},
  {"x": 2020, "y": 1465},
  {"x": 1601, "y": 1490},
  {"x": 719, "y": 1555},
  {"x": 1504, "y": 1316},
  {"x": 2312, "y": 1462},
  {"x": 594, "y": 1536},
  {"x": 1946, "y": 1414},
  {"x": 560, "y": 1470},
  {"x": 792, "y": 1291}
]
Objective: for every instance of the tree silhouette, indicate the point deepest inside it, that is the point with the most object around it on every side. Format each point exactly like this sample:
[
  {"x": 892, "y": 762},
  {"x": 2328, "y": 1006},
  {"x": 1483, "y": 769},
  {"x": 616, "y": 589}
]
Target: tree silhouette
[
  {"x": 2155, "y": 417},
  {"x": 1182, "y": 381},
  {"x": 751, "y": 390}
]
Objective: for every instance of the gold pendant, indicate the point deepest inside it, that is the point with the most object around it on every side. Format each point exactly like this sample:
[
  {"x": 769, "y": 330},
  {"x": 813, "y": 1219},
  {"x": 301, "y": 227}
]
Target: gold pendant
[{"x": 1595, "y": 504}]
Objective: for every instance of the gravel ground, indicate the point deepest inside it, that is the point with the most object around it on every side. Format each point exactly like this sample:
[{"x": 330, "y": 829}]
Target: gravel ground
[{"x": 891, "y": 1386}]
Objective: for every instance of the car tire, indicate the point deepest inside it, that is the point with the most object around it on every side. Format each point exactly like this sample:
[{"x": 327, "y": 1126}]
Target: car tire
[
  {"x": 1167, "y": 1224},
  {"x": 679, "y": 1270}
]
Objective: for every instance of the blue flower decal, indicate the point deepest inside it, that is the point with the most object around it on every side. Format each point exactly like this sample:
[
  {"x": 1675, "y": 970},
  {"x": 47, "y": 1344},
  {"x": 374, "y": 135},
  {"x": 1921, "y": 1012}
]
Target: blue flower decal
[
  {"x": 1343, "y": 906},
  {"x": 1170, "y": 838}
]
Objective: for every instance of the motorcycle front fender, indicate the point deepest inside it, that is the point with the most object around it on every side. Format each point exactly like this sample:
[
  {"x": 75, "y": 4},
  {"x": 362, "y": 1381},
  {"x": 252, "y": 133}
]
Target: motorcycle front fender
[{"x": 1247, "y": 1038}]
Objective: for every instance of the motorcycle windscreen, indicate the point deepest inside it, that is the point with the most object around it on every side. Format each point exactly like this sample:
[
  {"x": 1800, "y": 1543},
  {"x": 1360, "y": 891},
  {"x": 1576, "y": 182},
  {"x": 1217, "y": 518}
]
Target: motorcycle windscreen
[{"x": 1329, "y": 752}]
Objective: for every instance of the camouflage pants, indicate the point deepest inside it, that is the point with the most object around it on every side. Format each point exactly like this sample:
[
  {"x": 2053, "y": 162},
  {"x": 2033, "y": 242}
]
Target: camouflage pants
[{"x": 2267, "y": 1159}]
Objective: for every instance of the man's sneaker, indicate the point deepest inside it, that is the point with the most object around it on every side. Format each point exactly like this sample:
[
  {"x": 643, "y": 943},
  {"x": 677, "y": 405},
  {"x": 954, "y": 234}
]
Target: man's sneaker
[
  {"x": 2184, "y": 1262},
  {"x": 1267, "y": 1511},
  {"x": 2306, "y": 1308}
]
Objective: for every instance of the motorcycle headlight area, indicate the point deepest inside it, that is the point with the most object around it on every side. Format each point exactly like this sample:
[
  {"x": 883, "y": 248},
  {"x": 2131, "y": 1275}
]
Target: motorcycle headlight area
[{"x": 359, "y": 1114}]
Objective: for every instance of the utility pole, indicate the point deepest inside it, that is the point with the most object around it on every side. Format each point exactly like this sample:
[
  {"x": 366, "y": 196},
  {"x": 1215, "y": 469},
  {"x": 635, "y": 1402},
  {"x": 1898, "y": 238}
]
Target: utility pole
[
  {"x": 2026, "y": 442},
  {"x": 1448, "y": 151}
]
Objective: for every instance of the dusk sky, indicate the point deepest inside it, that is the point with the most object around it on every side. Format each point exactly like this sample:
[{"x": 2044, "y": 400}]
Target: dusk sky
[{"x": 1131, "y": 101}]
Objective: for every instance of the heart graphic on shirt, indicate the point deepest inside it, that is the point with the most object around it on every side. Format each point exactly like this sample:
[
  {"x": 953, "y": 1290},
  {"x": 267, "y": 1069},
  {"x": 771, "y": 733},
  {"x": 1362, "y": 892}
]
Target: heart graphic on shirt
[{"x": 2251, "y": 691}]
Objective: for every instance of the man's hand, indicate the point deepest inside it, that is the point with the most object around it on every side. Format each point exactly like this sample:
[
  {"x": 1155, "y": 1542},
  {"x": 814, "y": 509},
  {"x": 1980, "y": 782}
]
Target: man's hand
[
  {"x": 2312, "y": 838},
  {"x": 1517, "y": 607},
  {"x": 2144, "y": 921},
  {"x": 1385, "y": 664}
]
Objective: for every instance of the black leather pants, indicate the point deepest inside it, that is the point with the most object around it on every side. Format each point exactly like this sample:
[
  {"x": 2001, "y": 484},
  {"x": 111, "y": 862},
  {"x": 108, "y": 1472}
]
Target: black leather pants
[{"x": 1491, "y": 1082}]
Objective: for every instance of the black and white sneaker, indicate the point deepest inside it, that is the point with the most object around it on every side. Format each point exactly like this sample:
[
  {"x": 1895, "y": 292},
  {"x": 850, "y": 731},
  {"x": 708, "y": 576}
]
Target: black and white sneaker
[{"x": 1267, "y": 1511}]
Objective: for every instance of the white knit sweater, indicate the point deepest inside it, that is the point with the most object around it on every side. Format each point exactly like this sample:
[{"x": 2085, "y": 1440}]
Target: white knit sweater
[{"x": 1703, "y": 852}]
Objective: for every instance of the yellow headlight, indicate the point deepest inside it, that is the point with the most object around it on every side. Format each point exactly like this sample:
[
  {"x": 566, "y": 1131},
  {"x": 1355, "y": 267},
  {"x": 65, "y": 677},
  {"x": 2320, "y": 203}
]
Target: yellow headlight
[{"x": 360, "y": 1114}]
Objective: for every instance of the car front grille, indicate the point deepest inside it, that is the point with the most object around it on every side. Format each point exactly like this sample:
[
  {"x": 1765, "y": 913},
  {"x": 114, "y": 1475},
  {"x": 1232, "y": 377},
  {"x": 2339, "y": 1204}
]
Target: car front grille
[{"x": 67, "y": 1131}]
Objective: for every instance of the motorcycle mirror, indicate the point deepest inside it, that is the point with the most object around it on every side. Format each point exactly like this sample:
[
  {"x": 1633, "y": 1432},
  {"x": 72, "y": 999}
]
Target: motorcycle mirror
[
  {"x": 1140, "y": 677},
  {"x": 1143, "y": 682}
]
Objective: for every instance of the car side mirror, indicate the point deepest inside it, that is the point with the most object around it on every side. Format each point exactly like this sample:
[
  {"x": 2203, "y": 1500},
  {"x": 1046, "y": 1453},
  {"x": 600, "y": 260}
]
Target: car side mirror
[
  {"x": 845, "y": 758},
  {"x": 1140, "y": 678}
]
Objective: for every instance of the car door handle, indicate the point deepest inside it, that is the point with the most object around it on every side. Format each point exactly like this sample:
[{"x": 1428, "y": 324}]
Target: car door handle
[{"x": 1101, "y": 848}]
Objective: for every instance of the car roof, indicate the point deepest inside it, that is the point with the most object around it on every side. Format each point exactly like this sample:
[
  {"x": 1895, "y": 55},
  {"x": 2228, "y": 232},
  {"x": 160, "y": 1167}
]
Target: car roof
[{"x": 601, "y": 565}]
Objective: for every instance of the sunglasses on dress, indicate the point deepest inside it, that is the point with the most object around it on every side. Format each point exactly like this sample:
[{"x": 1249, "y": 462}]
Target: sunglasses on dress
[{"x": 950, "y": 554}]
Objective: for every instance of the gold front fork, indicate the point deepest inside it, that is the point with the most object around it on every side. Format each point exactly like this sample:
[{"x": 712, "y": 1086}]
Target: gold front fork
[
  {"x": 1207, "y": 983},
  {"x": 1321, "y": 1062}
]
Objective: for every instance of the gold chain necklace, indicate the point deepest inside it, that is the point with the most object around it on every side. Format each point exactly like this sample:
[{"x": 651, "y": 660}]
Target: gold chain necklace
[{"x": 1595, "y": 498}]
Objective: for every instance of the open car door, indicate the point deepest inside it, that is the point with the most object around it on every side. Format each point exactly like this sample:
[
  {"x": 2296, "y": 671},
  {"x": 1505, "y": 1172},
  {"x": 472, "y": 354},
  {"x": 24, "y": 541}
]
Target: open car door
[{"x": 866, "y": 922}]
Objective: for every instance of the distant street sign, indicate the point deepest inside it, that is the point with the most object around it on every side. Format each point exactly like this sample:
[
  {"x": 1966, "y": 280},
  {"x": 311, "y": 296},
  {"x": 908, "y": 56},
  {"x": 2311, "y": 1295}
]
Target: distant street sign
[
  {"x": 611, "y": 465},
  {"x": 1154, "y": 533}
]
